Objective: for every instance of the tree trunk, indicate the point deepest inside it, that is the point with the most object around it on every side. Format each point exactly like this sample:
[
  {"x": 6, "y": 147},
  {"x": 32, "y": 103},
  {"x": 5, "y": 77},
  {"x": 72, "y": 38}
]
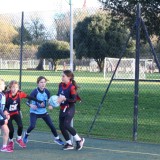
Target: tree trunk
[
  {"x": 100, "y": 64},
  {"x": 40, "y": 65},
  {"x": 55, "y": 63}
]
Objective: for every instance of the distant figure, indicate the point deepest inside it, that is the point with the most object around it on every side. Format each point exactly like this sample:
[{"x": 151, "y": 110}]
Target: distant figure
[
  {"x": 151, "y": 67},
  {"x": 64, "y": 66},
  {"x": 50, "y": 64}
]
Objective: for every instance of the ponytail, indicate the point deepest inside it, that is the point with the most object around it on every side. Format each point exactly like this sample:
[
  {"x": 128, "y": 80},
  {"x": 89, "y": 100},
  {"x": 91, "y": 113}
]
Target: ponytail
[
  {"x": 70, "y": 74},
  {"x": 75, "y": 84}
]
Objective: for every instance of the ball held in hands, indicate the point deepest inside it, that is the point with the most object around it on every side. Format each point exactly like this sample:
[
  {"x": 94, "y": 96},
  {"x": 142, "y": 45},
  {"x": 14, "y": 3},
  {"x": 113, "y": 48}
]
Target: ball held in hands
[{"x": 53, "y": 101}]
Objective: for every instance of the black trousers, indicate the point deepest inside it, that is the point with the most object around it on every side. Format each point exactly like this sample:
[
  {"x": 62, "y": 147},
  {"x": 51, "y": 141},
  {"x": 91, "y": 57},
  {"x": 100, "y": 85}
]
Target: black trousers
[
  {"x": 17, "y": 118},
  {"x": 65, "y": 122},
  {"x": 46, "y": 118}
]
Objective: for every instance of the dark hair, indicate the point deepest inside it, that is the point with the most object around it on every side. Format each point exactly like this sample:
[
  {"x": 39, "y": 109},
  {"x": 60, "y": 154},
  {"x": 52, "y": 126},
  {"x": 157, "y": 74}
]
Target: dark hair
[
  {"x": 70, "y": 74},
  {"x": 40, "y": 78},
  {"x": 11, "y": 83}
]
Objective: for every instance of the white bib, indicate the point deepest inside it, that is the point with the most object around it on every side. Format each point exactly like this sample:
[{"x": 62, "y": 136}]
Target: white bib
[{"x": 13, "y": 107}]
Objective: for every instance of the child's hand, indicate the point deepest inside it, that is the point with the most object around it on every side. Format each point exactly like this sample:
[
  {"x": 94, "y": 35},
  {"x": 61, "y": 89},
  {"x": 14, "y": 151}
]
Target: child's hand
[
  {"x": 34, "y": 107},
  {"x": 42, "y": 104},
  {"x": 6, "y": 113},
  {"x": 50, "y": 107},
  {"x": 6, "y": 121},
  {"x": 61, "y": 99}
]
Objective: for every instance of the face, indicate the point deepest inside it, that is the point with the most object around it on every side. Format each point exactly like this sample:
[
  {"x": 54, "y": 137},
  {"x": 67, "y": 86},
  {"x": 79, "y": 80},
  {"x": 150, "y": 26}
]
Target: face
[
  {"x": 65, "y": 79},
  {"x": 2, "y": 86},
  {"x": 14, "y": 88},
  {"x": 42, "y": 84}
]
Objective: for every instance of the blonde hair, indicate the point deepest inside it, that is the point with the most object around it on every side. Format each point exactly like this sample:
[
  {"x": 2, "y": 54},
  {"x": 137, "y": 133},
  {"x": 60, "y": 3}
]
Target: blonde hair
[
  {"x": 1, "y": 80},
  {"x": 11, "y": 83}
]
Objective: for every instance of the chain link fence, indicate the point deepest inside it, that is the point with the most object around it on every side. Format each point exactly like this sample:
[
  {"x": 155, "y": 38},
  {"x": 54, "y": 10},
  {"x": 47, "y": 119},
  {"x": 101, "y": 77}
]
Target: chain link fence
[{"x": 115, "y": 119}]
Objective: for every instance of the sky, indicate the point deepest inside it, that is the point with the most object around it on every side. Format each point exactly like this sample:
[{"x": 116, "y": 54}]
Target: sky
[{"x": 12, "y": 6}]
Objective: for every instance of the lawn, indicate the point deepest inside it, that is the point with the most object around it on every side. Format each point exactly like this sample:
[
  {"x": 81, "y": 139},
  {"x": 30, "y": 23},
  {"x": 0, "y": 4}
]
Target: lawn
[{"x": 115, "y": 120}]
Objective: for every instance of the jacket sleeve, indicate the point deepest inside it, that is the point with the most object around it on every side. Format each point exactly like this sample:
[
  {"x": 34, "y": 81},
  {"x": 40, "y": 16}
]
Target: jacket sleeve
[{"x": 33, "y": 98}]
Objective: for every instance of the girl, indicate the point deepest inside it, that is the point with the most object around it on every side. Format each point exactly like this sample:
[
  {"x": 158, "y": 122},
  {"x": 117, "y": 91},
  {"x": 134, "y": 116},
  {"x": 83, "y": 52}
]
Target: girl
[
  {"x": 36, "y": 111},
  {"x": 13, "y": 98},
  {"x": 4, "y": 119},
  {"x": 67, "y": 98}
]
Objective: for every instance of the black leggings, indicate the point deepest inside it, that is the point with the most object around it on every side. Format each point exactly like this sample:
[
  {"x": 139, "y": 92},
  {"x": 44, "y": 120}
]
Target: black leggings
[
  {"x": 65, "y": 122},
  {"x": 18, "y": 120},
  {"x": 46, "y": 118}
]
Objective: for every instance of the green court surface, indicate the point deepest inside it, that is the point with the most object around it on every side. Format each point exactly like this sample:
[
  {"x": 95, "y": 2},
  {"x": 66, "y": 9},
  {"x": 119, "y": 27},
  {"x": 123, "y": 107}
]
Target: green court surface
[{"x": 42, "y": 147}]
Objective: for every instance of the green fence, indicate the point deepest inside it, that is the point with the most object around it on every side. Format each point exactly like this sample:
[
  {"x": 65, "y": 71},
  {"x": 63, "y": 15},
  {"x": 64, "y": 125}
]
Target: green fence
[{"x": 115, "y": 120}]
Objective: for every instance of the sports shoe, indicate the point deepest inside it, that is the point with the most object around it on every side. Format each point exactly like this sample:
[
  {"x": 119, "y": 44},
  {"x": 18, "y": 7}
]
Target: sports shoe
[
  {"x": 20, "y": 143},
  {"x": 6, "y": 149},
  {"x": 68, "y": 147},
  {"x": 11, "y": 145},
  {"x": 59, "y": 141},
  {"x": 80, "y": 144},
  {"x": 25, "y": 138}
]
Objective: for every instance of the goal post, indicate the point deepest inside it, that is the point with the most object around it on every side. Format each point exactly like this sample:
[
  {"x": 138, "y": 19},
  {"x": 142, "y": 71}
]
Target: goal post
[{"x": 125, "y": 70}]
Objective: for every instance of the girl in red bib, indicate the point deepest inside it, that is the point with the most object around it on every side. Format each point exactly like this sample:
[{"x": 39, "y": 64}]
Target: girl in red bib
[
  {"x": 67, "y": 93},
  {"x": 13, "y": 99}
]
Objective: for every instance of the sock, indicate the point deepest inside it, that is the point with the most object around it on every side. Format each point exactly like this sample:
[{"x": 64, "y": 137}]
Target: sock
[
  {"x": 19, "y": 137},
  {"x": 57, "y": 137},
  {"x": 4, "y": 145},
  {"x": 77, "y": 137},
  {"x": 69, "y": 142},
  {"x": 11, "y": 140}
]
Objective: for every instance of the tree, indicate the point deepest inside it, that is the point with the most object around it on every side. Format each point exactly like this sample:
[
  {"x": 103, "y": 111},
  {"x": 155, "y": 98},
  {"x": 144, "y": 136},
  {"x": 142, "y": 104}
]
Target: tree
[
  {"x": 7, "y": 30},
  {"x": 62, "y": 24},
  {"x": 53, "y": 50},
  {"x": 37, "y": 31},
  {"x": 98, "y": 37},
  {"x": 125, "y": 11},
  {"x": 27, "y": 38}
]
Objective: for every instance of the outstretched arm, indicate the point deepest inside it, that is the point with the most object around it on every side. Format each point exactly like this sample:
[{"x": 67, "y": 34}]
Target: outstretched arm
[{"x": 33, "y": 98}]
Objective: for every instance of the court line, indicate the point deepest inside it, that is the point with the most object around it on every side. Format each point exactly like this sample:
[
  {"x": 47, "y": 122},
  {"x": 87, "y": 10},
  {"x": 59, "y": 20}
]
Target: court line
[{"x": 105, "y": 149}]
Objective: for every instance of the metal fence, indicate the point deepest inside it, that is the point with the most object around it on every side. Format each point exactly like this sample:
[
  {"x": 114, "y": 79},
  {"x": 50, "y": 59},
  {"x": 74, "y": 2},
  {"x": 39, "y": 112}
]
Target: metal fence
[{"x": 115, "y": 118}]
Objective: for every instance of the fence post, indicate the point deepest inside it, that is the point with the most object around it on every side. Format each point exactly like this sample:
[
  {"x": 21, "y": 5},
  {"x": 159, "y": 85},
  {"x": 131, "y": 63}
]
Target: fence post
[
  {"x": 21, "y": 50},
  {"x": 136, "y": 86},
  {"x": 71, "y": 46}
]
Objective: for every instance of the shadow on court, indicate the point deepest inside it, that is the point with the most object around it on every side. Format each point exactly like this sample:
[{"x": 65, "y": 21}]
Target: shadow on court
[{"x": 42, "y": 147}]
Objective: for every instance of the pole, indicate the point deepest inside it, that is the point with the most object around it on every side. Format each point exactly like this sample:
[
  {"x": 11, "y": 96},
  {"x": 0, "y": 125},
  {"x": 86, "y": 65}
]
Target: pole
[
  {"x": 71, "y": 46},
  {"x": 107, "y": 89},
  {"x": 150, "y": 44},
  {"x": 136, "y": 86},
  {"x": 71, "y": 36},
  {"x": 21, "y": 50}
]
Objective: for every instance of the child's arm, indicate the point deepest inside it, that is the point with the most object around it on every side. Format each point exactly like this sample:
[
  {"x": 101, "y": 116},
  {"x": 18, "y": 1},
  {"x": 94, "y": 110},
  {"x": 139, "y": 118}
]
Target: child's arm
[
  {"x": 33, "y": 98},
  {"x": 2, "y": 114},
  {"x": 24, "y": 95}
]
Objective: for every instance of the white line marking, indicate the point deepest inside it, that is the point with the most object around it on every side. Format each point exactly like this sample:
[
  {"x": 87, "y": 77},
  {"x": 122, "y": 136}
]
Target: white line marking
[
  {"x": 105, "y": 149},
  {"x": 110, "y": 150}
]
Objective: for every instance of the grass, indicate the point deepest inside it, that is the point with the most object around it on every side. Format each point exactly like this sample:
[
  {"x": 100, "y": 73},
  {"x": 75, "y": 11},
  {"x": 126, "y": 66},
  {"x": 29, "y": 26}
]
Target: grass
[{"x": 115, "y": 120}]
